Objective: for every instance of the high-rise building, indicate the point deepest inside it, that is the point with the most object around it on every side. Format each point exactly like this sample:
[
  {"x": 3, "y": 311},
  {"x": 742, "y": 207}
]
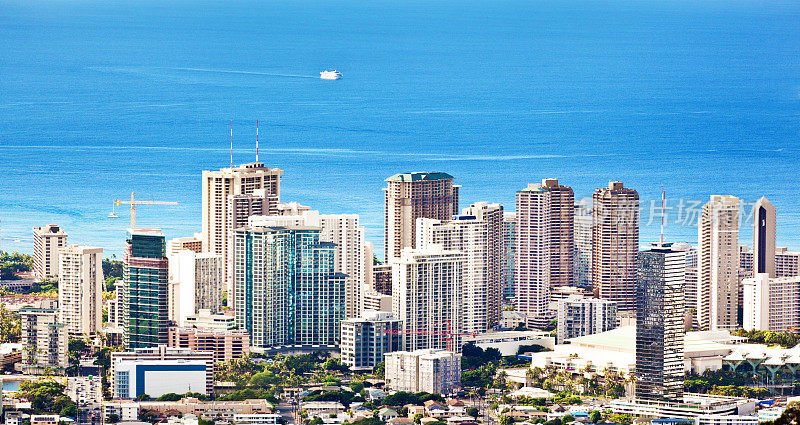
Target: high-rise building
[
  {"x": 240, "y": 209},
  {"x": 288, "y": 293},
  {"x": 509, "y": 253},
  {"x": 145, "y": 305},
  {"x": 579, "y": 316},
  {"x": 787, "y": 263},
  {"x": 718, "y": 264},
  {"x": 116, "y": 312},
  {"x": 764, "y": 237},
  {"x": 382, "y": 279},
  {"x": 226, "y": 344},
  {"x": 432, "y": 371},
  {"x": 190, "y": 243},
  {"x": 80, "y": 290},
  {"x": 347, "y": 234},
  {"x": 196, "y": 283},
  {"x": 544, "y": 247},
  {"x": 660, "y": 321},
  {"x": 367, "y": 338},
  {"x": 771, "y": 303},
  {"x": 690, "y": 290},
  {"x": 409, "y": 196},
  {"x": 582, "y": 258},
  {"x": 377, "y": 302},
  {"x": 476, "y": 233},
  {"x": 218, "y": 186},
  {"x": 47, "y": 241},
  {"x": 427, "y": 291},
  {"x": 44, "y": 340},
  {"x": 615, "y": 242}
]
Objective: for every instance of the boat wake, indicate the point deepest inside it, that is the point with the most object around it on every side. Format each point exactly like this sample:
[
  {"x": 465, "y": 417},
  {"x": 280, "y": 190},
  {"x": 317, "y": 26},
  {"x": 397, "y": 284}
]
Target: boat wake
[{"x": 233, "y": 71}]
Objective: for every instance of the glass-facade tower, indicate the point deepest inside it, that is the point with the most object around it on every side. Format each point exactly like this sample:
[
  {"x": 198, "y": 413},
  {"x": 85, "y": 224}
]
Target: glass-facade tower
[{"x": 145, "y": 309}]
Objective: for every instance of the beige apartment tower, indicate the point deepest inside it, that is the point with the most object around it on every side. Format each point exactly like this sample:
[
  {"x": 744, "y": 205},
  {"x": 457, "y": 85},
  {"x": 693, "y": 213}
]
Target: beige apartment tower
[
  {"x": 47, "y": 241},
  {"x": 544, "y": 247},
  {"x": 615, "y": 244},
  {"x": 409, "y": 196},
  {"x": 80, "y": 290},
  {"x": 718, "y": 264},
  {"x": 218, "y": 187}
]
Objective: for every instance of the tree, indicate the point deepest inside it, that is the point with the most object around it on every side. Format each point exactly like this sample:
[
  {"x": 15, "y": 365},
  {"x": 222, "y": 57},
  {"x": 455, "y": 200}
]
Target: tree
[
  {"x": 142, "y": 397},
  {"x": 379, "y": 370},
  {"x": 45, "y": 396},
  {"x": 506, "y": 420},
  {"x": 417, "y": 417},
  {"x": 9, "y": 325},
  {"x": 473, "y": 411},
  {"x": 112, "y": 418},
  {"x": 112, "y": 267},
  {"x": 70, "y": 410},
  {"x": 595, "y": 416}
]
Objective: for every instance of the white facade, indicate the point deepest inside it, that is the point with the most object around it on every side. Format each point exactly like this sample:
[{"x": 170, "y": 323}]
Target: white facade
[
  {"x": 44, "y": 340},
  {"x": 197, "y": 284},
  {"x": 718, "y": 264},
  {"x": 47, "y": 241},
  {"x": 432, "y": 371},
  {"x": 377, "y": 302},
  {"x": 579, "y": 316},
  {"x": 345, "y": 231},
  {"x": 771, "y": 304},
  {"x": 125, "y": 411},
  {"x": 115, "y": 305},
  {"x": 161, "y": 370},
  {"x": 366, "y": 339},
  {"x": 80, "y": 290},
  {"x": 205, "y": 319},
  {"x": 426, "y": 297}
]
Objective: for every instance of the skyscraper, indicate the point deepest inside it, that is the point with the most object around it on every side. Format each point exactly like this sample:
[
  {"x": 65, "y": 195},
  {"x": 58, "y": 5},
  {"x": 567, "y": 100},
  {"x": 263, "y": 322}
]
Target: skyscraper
[
  {"x": 287, "y": 292},
  {"x": 659, "y": 321},
  {"x": 47, "y": 241},
  {"x": 426, "y": 297},
  {"x": 80, "y": 290},
  {"x": 409, "y": 196},
  {"x": 544, "y": 247},
  {"x": 764, "y": 237},
  {"x": 615, "y": 241},
  {"x": 197, "y": 283},
  {"x": 718, "y": 264},
  {"x": 509, "y": 253},
  {"x": 343, "y": 230},
  {"x": 582, "y": 274},
  {"x": 476, "y": 233},
  {"x": 218, "y": 186},
  {"x": 145, "y": 308}
]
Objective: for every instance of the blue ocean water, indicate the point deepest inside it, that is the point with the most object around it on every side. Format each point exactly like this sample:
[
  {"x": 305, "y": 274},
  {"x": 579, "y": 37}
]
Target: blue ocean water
[{"x": 100, "y": 98}]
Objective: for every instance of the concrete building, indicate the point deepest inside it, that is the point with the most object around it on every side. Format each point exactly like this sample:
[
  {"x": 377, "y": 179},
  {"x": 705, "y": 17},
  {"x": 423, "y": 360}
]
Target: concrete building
[
  {"x": 771, "y": 304},
  {"x": 366, "y": 339},
  {"x": 161, "y": 370},
  {"x": 347, "y": 234},
  {"x": 582, "y": 235},
  {"x": 409, "y": 196},
  {"x": 544, "y": 247},
  {"x": 243, "y": 206},
  {"x": 579, "y": 316},
  {"x": 476, "y": 233},
  {"x": 209, "y": 410},
  {"x": 204, "y": 319},
  {"x": 699, "y": 409},
  {"x": 432, "y": 371},
  {"x": 377, "y": 302},
  {"x": 145, "y": 305},
  {"x": 218, "y": 186},
  {"x": 190, "y": 243},
  {"x": 47, "y": 241},
  {"x": 225, "y": 344},
  {"x": 197, "y": 284},
  {"x": 510, "y": 342},
  {"x": 80, "y": 290},
  {"x": 44, "y": 340},
  {"x": 509, "y": 253},
  {"x": 615, "y": 242},
  {"x": 764, "y": 237},
  {"x": 124, "y": 410},
  {"x": 116, "y": 306},
  {"x": 288, "y": 293},
  {"x": 660, "y": 331},
  {"x": 718, "y": 264},
  {"x": 382, "y": 279},
  {"x": 426, "y": 297}
]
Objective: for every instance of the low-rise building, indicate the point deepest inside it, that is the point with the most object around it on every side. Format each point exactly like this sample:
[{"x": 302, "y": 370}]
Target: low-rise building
[
  {"x": 366, "y": 339},
  {"x": 433, "y": 371},
  {"x": 321, "y": 408},
  {"x": 44, "y": 419},
  {"x": 705, "y": 409},
  {"x": 124, "y": 410},
  {"x": 208, "y": 410},
  {"x": 510, "y": 342},
  {"x": 225, "y": 344},
  {"x": 256, "y": 418},
  {"x": 161, "y": 370},
  {"x": 204, "y": 319}
]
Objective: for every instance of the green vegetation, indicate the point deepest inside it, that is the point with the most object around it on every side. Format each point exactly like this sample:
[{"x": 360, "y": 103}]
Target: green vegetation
[
  {"x": 46, "y": 397},
  {"x": 176, "y": 397},
  {"x": 401, "y": 398},
  {"x": 14, "y": 263},
  {"x": 9, "y": 325},
  {"x": 784, "y": 339},
  {"x": 248, "y": 394},
  {"x": 608, "y": 384},
  {"x": 473, "y": 411},
  {"x": 723, "y": 382}
]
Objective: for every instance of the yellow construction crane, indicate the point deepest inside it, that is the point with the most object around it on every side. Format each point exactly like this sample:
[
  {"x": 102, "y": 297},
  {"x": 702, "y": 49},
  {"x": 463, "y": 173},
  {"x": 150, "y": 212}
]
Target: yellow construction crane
[{"x": 133, "y": 203}]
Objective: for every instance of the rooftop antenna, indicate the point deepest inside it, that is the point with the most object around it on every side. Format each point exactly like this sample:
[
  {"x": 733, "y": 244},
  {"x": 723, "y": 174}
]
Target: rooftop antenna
[
  {"x": 231, "y": 144},
  {"x": 663, "y": 202},
  {"x": 256, "y": 140}
]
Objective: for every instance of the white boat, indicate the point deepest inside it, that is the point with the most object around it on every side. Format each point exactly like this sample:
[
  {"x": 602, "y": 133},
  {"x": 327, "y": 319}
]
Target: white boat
[{"x": 330, "y": 75}]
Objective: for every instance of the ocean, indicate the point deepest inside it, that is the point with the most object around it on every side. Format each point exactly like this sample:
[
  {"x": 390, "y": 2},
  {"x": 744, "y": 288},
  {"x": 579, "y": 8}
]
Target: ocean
[{"x": 101, "y": 98}]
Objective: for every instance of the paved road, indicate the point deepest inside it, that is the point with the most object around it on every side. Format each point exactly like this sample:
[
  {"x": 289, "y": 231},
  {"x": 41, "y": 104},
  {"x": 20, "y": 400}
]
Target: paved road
[{"x": 285, "y": 409}]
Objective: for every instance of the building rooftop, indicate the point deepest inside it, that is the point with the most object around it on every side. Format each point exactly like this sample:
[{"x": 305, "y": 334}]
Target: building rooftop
[{"x": 419, "y": 176}]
